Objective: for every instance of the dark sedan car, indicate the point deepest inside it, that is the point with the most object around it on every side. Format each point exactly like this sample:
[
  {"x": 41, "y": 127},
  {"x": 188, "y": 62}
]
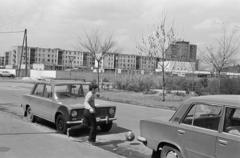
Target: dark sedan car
[{"x": 202, "y": 127}]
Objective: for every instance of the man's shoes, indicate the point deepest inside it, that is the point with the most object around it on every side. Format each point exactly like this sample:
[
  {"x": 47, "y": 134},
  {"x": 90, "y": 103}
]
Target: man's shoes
[{"x": 92, "y": 142}]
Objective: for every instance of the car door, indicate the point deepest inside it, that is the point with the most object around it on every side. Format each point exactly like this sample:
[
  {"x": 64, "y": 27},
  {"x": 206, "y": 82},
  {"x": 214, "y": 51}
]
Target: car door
[
  {"x": 40, "y": 101},
  {"x": 228, "y": 141},
  {"x": 35, "y": 100},
  {"x": 198, "y": 130},
  {"x": 47, "y": 102}
]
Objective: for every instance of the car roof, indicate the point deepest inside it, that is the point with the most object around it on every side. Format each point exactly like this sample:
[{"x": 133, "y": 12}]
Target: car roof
[
  {"x": 218, "y": 99},
  {"x": 62, "y": 82}
]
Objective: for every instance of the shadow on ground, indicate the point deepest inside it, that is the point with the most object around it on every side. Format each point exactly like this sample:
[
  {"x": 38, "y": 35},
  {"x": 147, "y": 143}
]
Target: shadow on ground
[
  {"x": 116, "y": 144},
  {"x": 83, "y": 131}
]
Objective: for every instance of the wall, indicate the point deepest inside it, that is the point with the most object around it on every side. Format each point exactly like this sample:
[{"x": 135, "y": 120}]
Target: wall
[
  {"x": 42, "y": 74},
  {"x": 76, "y": 75}
]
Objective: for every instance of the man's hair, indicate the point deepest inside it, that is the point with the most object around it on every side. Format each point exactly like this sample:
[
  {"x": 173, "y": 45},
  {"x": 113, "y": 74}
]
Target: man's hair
[{"x": 92, "y": 86}]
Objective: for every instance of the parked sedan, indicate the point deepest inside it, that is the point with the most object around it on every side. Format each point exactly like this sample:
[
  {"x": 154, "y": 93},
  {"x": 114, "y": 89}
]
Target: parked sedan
[
  {"x": 61, "y": 102},
  {"x": 202, "y": 127},
  {"x": 6, "y": 74}
]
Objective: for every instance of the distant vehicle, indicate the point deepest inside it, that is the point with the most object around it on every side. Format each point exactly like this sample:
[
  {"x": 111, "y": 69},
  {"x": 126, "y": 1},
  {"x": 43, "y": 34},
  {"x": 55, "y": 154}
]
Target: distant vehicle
[
  {"x": 61, "y": 102},
  {"x": 6, "y": 74},
  {"x": 203, "y": 127}
]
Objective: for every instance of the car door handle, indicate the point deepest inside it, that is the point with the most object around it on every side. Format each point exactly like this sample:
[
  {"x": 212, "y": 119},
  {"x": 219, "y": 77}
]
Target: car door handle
[
  {"x": 181, "y": 132},
  {"x": 222, "y": 142}
]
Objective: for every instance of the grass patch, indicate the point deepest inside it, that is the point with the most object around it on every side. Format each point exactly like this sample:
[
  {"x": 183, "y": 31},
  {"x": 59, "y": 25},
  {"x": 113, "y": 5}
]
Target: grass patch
[{"x": 138, "y": 98}]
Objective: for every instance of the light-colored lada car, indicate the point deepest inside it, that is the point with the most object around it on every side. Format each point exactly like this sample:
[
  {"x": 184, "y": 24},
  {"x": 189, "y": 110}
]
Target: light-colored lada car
[
  {"x": 61, "y": 102},
  {"x": 202, "y": 127}
]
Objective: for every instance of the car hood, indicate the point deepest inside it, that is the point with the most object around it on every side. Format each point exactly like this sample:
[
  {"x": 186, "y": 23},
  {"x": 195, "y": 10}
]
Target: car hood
[{"x": 77, "y": 103}]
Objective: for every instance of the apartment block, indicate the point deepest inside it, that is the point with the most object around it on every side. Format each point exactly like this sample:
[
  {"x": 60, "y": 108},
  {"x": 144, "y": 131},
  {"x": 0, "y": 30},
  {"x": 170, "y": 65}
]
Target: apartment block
[
  {"x": 112, "y": 61},
  {"x": 125, "y": 61},
  {"x": 56, "y": 58},
  {"x": 146, "y": 63},
  {"x": 182, "y": 51},
  {"x": 59, "y": 59},
  {"x": 109, "y": 61},
  {"x": 2, "y": 61}
]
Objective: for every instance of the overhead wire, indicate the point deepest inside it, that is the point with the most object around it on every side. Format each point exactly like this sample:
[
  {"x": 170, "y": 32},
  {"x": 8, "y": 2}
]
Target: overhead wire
[{"x": 2, "y": 32}]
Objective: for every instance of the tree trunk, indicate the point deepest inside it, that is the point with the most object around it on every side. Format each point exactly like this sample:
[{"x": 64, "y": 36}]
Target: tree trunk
[
  {"x": 219, "y": 82},
  {"x": 98, "y": 76},
  {"x": 163, "y": 83}
]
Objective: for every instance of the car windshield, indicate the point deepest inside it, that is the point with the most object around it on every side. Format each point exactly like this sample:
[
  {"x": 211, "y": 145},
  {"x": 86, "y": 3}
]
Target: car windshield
[{"x": 70, "y": 91}]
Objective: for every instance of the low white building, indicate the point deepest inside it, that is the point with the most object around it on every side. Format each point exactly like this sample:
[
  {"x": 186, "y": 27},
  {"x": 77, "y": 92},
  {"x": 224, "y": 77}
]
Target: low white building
[{"x": 173, "y": 66}]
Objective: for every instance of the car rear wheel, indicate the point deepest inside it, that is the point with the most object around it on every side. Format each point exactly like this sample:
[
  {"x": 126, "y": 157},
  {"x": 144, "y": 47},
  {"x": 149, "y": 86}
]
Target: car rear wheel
[
  {"x": 61, "y": 124},
  {"x": 170, "y": 152},
  {"x": 29, "y": 115},
  {"x": 106, "y": 127}
]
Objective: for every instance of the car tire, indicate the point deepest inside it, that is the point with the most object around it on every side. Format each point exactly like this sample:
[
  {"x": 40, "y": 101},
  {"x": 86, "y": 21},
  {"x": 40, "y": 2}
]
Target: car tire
[
  {"x": 61, "y": 125},
  {"x": 170, "y": 152},
  {"x": 106, "y": 127},
  {"x": 29, "y": 115},
  {"x": 156, "y": 154}
]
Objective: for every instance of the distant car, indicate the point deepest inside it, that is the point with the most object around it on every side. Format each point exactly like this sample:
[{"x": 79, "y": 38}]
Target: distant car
[
  {"x": 6, "y": 74},
  {"x": 61, "y": 102},
  {"x": 202, "y": 127}
]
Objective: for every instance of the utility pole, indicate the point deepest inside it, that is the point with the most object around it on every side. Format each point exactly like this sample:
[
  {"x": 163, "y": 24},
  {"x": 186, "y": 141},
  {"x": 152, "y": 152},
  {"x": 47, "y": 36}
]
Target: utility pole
[
  {"x": 24, "y": 45},
  {"x": 26, "y": 59}
]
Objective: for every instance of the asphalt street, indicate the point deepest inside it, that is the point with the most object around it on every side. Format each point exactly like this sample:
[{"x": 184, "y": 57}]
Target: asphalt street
[{"x": 21, "y": 139}]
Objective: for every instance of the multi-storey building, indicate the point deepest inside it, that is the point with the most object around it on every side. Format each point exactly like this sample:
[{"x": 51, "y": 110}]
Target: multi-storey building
[
  {"x": 146, "y": 63},
  {"x": 59, "y": 59},
  {"x": 109, "y": 61},
  {"x": 2, "y": 61},
  {"x": 51, "y": 58},
  {"x": 112, "y": 61},
  {"x": 10, "y": 58},
  {"x": 125, "y": 61},
  {"x": 182, "y": 51}
]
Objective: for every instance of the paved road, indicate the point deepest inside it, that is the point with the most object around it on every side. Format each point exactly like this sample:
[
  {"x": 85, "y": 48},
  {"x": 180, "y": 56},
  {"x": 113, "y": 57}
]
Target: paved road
[{"x": 43, "y": 141}]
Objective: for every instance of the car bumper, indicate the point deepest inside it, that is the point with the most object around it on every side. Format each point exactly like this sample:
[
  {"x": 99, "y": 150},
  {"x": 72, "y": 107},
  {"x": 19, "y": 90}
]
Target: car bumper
[
  {"x": 99, "y": 120},
  {"x": 142, "y": 140}
]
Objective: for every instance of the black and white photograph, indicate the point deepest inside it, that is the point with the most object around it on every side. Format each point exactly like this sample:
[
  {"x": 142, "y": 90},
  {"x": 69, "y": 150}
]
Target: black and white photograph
[{"x": 119, "y": 78}]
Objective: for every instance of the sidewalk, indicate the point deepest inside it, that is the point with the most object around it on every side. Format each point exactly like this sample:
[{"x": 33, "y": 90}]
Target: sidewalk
[{"x": 20, "y": 139}]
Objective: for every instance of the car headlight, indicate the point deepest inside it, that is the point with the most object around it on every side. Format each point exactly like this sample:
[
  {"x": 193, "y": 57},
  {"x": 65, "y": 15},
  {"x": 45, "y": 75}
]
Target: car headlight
[
  {"x": 112, "y": 111},
  {"x": 74, "y": 113}
]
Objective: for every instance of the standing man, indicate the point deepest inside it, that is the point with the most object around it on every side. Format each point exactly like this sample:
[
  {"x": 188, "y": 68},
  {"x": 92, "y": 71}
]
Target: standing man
[{"x": 89, "y": 118}]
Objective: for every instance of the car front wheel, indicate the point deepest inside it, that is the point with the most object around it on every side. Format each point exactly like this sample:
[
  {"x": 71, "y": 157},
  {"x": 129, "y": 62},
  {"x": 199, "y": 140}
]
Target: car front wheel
[
  {"x": 61, "y": 124},
  {"x": 106, "y": 127},
  {"x": 29, "y": 115},
  {"x": 170, "y": 152}
]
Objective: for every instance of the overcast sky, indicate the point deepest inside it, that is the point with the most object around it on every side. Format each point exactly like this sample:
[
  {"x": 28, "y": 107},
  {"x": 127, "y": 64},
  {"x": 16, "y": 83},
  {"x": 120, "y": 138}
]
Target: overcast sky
[{"x": 59, "y": 23}]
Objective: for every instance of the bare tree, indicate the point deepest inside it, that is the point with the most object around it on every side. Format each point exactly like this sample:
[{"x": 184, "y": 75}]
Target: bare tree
[
  {"x": 98, "y": 47},
  {"x": 155, "y": 45},
  {"x": 223, "y": 53}
]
